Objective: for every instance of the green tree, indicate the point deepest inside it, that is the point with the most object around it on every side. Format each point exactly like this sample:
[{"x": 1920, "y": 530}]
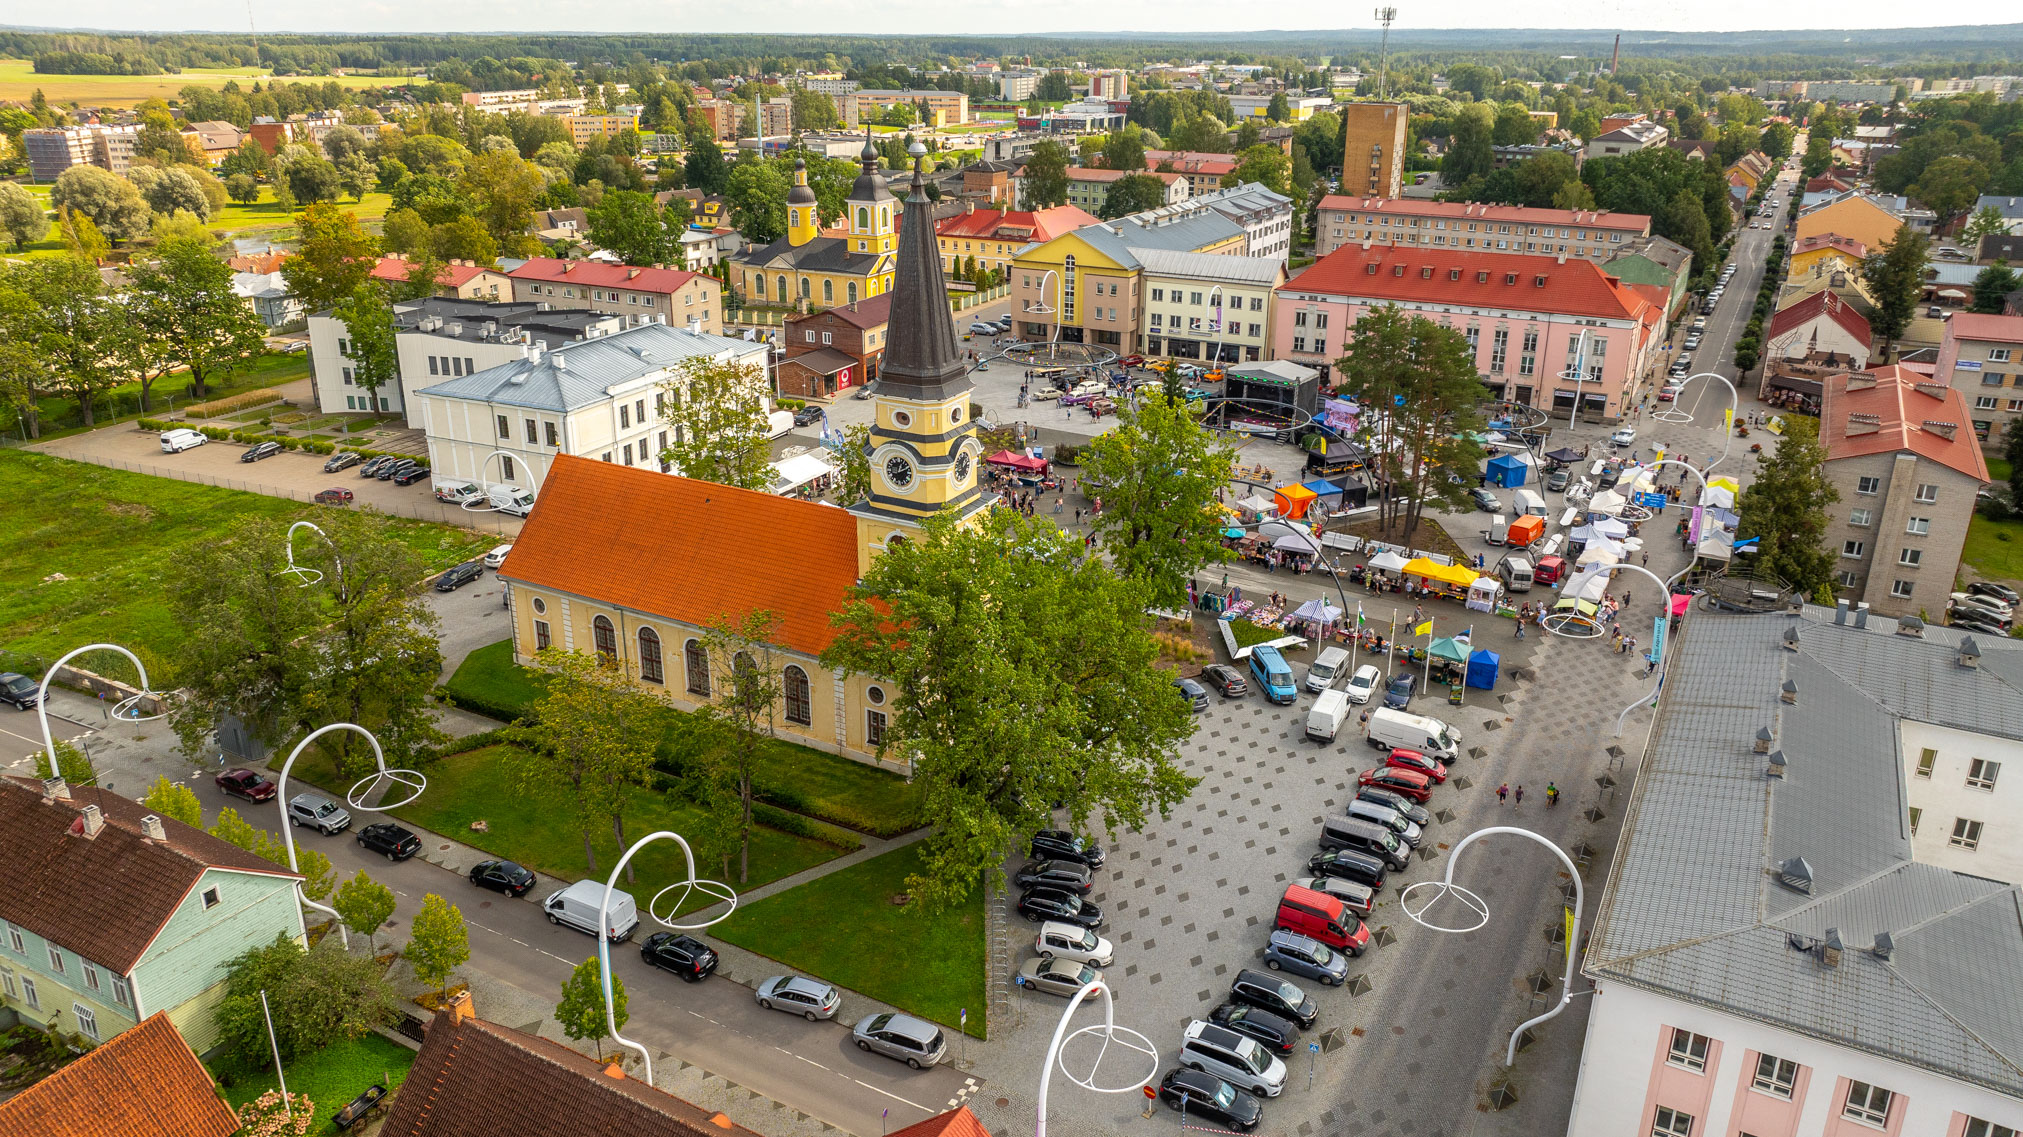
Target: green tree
[
  {"x": 438, "y": 942},
  {"x": 1987, "y": 221},
  {"x": 172, "y": 189},
  {"x": 1159, "y": 472},
  {"x": 368, "y": 323},
  {"x": 81, "y": 238},
  {"x": 502, "y": 187},
  {"x": 716, "y": 412},
  {"x": 965, "y": 623},
  {"x": 739, "y": 720},
  {"x": 113, "y": 203},
  {"x": 1992, "y": 286},
  {"x": 632, "y": 226},
  {"x": 22, "y": 218},
  {"x": 1514, "y": 125},
  {"x": 1685, "y": 221},
  {"x": 1818, "y": 156},
  {"x": 593, "y": 733},
  {"x": 183, "y": 315},
  {"x": 243, "y": 188},
  {"x": 704, "y": 167},
  {"x": 72, "y": 765},
  {"x": 813, "y": 110},
  {"x": 1777, "y": 139},
  {"x": 1426, "y": 375},
  {"x": 232, "y": 829},
  {"x": 1950, "y": 185},
  {"x": 1204, "y": 133},
  {"x": 76, "y": 328},
  {"x": 1573, "y": 195},
  {"x": 313, "y": 178},
  {"x": 317, "y": 996},
  {"x": 1470, "y": 145},
  {"x": 364, "y": 905},
  {"x": 174, "y": 799},
  {"x": 1784, "y": 508},
  {"x": 2012, "y": 452},
  {"x": 580, "y": 1011},
  {"x": 1541, "y": 177},
  {"x": 1896, "y": 277},
  {"x": 1124, "y": 149},
  {"x": 1736, "y": 140},
  {"x": 1278, "y": 110},
  {"x": 1132, "y": 193},
  {"x": 855, "y": 484},
  {"x": 1266, "y": 165},
  {"x": 1046, "y": 181},
  {"x": 756, "y": 195},
  {"x": 332, "y": 259},
  {"x": 250, "y": 159}
]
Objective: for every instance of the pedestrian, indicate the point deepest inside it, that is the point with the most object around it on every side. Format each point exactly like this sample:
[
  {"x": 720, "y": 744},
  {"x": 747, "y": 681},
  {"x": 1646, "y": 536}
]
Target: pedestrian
[
  {"x": 1366, "y": 722},
  {"x": 1520, "y": 798},
  {"x": 1503, "y": 793},
  {"x": 1551, "y": 795},
  {"x": 1520, "y": 629}
]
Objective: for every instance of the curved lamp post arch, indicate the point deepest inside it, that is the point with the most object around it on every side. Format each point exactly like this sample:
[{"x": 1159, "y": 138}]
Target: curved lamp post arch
[
  {"x": 688, "y": 888},
  {"x": 1673, "y": 415},
  {"x": 1556, "y": 627},
  {"x": 1110, "y": 1032},
  {"x": 309, "y": 576},
  {"x": 119, "y": 710},
  {"x": 1446, "y": 886},
  {"x": 486, "y": 506},
  {"x": 414, "y": 780},
  {"x": 1054, "y": 309}
]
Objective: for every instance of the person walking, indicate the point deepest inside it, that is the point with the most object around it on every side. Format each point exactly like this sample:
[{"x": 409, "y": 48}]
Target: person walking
[
  {"x": 1520, "y": 798},
  {"x": 1520, "y": 629},
  {"x": 1551, "y": 795},
  {"x": 1502, "y": 793}
]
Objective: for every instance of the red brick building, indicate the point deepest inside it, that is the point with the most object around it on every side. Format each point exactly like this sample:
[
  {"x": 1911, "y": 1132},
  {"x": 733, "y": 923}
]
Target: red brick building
[{"x": 831, "y": 351}]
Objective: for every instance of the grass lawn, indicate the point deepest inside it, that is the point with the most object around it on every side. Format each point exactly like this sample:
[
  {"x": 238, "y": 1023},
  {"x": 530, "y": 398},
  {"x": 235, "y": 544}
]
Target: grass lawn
[
  {"x": 1998, "y": 469},
  {"x": 114, "y": 535},
  {"x": 1995, "y": 549},
  {"x": 19, "y": 82},
  {"x": 793, "y": 777},
  {"x": 60, "y": 415},
  {"x": 267, "y": 214},
  {"x": 331, "y": 1077},
  {"x": 939, "y": 971}
]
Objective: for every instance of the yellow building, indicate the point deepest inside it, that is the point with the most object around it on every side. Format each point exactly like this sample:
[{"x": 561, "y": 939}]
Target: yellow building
[
  {"x": 1855, "y": 218},
  {"x": 1091, "y": 282},
  {"x": 1817, "y": 256},
  {"x": 584, "y": 127},
  {"x": 808, "y": 270}
]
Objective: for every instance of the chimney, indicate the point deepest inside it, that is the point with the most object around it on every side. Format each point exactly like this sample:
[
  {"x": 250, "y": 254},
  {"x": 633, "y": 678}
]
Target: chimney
[
  {"x": 568, "y": 267},
  {"x": 151, "y": 827},
  {"x": 1911, "y": 626},
  {"x": 1789, "y": 693},
  {"x": 630, "y": 273},
  {"x": 1970, "y": 652},
  {"x": 1861, "y": 615},
  {"x": 1829, "y": 952},
  {"x": 613, "y": 1070},
  {"x": 1791, "y": 633},
  {"x": 1840, "y": 611},
  {"x": 460, "y": 1008},
  {"x": 55, "y": 789},
  {"x": 695, "y": 325},
  {"x": 1777, "y": 764},
  {"x": 1884, "y": 945},
  {"x": 90, "y": 821},
  {"x": 1763, "y": 739}
]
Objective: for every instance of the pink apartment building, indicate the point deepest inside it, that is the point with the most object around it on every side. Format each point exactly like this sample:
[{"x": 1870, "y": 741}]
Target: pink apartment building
[{"x": 1560, "y": 335}]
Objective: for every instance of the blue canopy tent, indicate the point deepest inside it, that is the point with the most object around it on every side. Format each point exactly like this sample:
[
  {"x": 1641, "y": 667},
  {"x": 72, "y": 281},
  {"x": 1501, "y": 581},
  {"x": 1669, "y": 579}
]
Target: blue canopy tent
[
  {"x": 1327, "y": 494},
  {"x": 1507, "y": 470},
  {"x": 1482, "y": 667}
]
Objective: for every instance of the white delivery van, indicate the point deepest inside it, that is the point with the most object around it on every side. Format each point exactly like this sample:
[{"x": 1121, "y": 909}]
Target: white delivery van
[
  {"x": 512, "y": 500},
  {"x": 1515, "y": 573},
  {"x": 577, "y": 905},
  {"x": 778, "y": 423},
  {"x": 1529, "y": 504},
  {"x": 1498, "y": 532},
  {"x": 1391, "y": 729},
  {"x": 180, "y": 439},
  {"x": 1330, "y": 711},
  {"x": 1328, "y": 668}
]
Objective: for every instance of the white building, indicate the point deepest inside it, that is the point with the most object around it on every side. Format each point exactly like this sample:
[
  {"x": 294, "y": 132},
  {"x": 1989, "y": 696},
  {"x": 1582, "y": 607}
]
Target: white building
[
  {"x": 598, "y": 398},
  {"x": 1208, "y": 306},
  {"x": 1811, "y": 928},
  {"x": 1266, "y": 217}
]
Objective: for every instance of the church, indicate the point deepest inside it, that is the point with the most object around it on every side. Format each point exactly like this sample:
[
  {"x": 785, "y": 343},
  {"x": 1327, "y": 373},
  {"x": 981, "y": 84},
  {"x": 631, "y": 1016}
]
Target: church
[
  {"x": 635, "y": 565},
  {"x": 809, "y": 270}
]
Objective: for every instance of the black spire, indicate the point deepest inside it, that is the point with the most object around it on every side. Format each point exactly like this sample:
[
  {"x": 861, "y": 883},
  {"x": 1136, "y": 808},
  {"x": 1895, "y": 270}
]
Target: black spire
[{"x": 921, "y": 359}]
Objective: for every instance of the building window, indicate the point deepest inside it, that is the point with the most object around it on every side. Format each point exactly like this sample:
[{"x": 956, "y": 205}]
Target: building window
[
  {"x": 1926, "y": 758},
  {"x": 1851, "y": 548},
  {"x": 90, "y": 975},
  {"x": 606, "y": 639},
  {"x": 628, "y": 453},
  {"x": 542, "y": 640},
  {"x": 1910, "y": 556},
  {"x": 1901, "y": 589},
  {"x": 1921, "y": 526},
  {"x": 650, "y": 668},
  {"x": 794, "y": 687},
  {"x": 1927, "y": 493},
  {"x": 1998, "y": 355},
  {"x": 1966, "y": 833},
  {"x": 1986, "y": 402},
  {"x": 210, "y": 898},
  {"x": 1868, "y": 485},
  {"x": 551, "y": 433},
  {"x": 87, "y": 1023},
  {"x": 1848, "y": 578},
  {"x": 874, "y": 729},
  {"x": 1689, "y": 1050},
  {"x": 624, "y": 417},
  {"x": 1917, "y": 815},
  {"x": 1979, "y": 1128},
  {"x": 56, "y": 956},
  {"x": 506, "y": 467},
  {"x": 122, "y": 992},
  {"x": 1859, "y": 518},
  {"x": 1867, "y": 1104},
  {"x": 29, "y": 995},
  {"x": 1981, "y": 774},
  {"x": 698, "y": 668},
  {"x": 1775, "y": 1075},
  {"x": 1671, "y": 1123}
]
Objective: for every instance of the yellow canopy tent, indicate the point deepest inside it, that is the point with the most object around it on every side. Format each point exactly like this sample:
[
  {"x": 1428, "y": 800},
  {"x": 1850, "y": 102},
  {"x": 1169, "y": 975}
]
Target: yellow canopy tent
[
  {"x": 1293, "y": 500},
  {"x": 1450, "y": 574}
]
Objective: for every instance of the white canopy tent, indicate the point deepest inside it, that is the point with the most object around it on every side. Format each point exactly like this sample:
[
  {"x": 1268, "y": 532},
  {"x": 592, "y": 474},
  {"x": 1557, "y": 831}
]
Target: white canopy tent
[
  {"x": 797, "y": 470},
  {"x": 1388, "y": 561},
  {"x": 1607, "y": 501}
]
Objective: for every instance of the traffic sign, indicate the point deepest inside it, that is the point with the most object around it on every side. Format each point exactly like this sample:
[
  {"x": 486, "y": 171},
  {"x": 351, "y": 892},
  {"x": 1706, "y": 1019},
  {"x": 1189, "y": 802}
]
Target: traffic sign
[{"x": 1313, "y": 1048}]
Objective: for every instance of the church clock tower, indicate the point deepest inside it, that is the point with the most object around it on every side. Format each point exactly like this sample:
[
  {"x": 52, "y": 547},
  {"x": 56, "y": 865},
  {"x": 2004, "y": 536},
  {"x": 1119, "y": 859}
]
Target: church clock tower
[{"x": 924, "y": 454}]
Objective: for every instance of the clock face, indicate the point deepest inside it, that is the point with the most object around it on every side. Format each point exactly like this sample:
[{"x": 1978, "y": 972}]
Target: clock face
[
  {"x": 962, "y": 466},
  {"x": 898, "y": 471}
]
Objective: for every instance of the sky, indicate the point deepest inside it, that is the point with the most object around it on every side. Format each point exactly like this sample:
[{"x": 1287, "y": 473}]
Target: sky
[{"x": 1042, "y": 16}]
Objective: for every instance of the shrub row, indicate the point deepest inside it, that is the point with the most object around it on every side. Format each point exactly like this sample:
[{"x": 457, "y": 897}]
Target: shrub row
[
  {"x": 231, "y": 403},
  {"x": 773, "y": 817}
]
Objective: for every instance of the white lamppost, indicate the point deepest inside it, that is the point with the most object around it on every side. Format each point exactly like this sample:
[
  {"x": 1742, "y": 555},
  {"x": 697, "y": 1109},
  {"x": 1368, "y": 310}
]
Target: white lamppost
[
  {"x": 1109, "y": 1032},
  {"x": 1576, "y": 625},
  {"x": 485, "y": 505},
  {"x": 1480, "y": 907},
  {"x": 1674, "y": 415},
  {"x": 308, "y": 576},
  {"x": 412, "y": 779},
  {"x": 126, "y": 710},
  {"x": 1042, "y": 308},
  {"x": 689, "y": 887}
]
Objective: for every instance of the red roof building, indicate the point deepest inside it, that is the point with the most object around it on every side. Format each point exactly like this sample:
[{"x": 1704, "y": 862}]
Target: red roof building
[
  {"x": 1204, "y": 171},
  {"x": 642, "y": 294},
  {"x": 957, "y": 1122},
  {"x": 144, "y": 1081},
  {"x": 1594, "y": 235},
  {"x": 1821, "y": 329},
  {"x": 467, "y": 280},
  {"x": 995, "y": 236}
]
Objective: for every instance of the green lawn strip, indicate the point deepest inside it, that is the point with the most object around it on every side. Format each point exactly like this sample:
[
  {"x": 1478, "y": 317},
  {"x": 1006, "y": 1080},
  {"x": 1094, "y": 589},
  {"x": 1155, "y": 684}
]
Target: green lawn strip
[
  {"x": 792, "y": 776},
  {"x": 60, "y": 415},
  {"x": 114, "y": 536},
  {"x": 330, "y": 1077},
  {"x": 1995, "y": 549},
  {"x": 268, "y": 214},
  {"x": 1998, "y": 469},
  {"x": 928, "y": 964}
]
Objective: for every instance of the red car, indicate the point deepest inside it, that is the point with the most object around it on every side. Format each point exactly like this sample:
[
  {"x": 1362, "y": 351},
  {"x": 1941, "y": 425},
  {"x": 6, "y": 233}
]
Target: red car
[
  {"x": 339, "y": 496},
  {"x": 1409, "y": 783},
  {"x": 246, "y": 784},
  {"x": 1132, "y": 361},
  {"x": 1413, "y": 760}
]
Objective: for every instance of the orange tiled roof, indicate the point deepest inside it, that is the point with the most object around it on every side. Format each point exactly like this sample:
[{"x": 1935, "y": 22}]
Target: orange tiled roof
[
  {"x": 144, "y": 1081},
  {"x": 687, "y": 550},
  {"x": 957, "y": 1122},
  {"x": 1473, "y": 279},
  {"x": 1894, "y": 408}
]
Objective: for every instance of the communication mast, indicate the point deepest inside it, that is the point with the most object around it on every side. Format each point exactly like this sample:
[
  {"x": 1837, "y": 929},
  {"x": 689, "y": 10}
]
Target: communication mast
[{"x": 1384, "y": 17}]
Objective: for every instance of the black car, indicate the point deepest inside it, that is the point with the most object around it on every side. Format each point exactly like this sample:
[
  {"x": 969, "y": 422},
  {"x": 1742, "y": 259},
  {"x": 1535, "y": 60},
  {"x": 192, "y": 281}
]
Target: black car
[
  {"x": 1195, "y": 694},
  {"x": 261, "y": 450},
  {"x": 1485, "y": 501},
  {"x": 458, "y": 576},
  {"x": 1068, "y": 876},
  {"x": 410, "y": 476},
  {"x": 1203, "y": 1095},
  {"x": 1278, "y": 1034},
  {"x": 19, "y": 690},
  {"x": 686, "y": 956},
  {"x": 1403, "y": 686},
  {"x": 1226, "y": 679},
  {"x": 341, "y": 461},
  {"x": 502, "y": 876},
  {"x": 2002, "y": 592},
  {"x": 808, "y": 415},
  {"x": 397, "y": 843},
  {"x": 1413, "y": 811},
  {"x": 373, "y": 466},
  {"x": 389, "y": 472},
  {"x": 1061, "y": 845},
  {"x": 1054, "y": 904},
  {"x": 1348, "y": 864},
  {"x": 1267, "y": 992}
]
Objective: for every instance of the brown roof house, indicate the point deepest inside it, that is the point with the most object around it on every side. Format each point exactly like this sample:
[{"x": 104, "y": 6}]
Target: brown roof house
[
  {"x": 112, "y": 913},
  {"x": 833, "y": 350},
  {"x": 479, "y": 1079},
  {"x": 145, "y": 1083}
]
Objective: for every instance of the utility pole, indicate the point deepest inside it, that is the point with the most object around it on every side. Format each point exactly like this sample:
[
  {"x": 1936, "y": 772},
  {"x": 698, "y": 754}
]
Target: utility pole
[
  {"x": 1384, "y": 17},
  {"x": 255, "y": 29}
]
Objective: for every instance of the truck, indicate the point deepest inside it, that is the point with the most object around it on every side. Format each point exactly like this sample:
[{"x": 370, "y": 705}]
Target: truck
[
  {"x": 1515, "y": 572},
  {"x": 512, "y": 500},
  {"x": 1525, "y": 532}
]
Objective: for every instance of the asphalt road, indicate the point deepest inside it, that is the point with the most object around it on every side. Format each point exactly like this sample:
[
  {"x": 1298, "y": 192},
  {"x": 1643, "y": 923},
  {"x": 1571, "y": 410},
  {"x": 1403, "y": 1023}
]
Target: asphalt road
[{"x": 1706, "y": 400}]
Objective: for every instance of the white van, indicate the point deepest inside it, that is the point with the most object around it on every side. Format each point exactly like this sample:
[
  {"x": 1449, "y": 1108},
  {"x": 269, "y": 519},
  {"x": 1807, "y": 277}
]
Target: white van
[
  {"x": 180, "y": 439},
  {"x": 1515, "y": 572},
  {"x": 512, "y": 500},
  {"x": 1330, "y": 711},
  {"x": 1498, "y": 532},
  {"x": 576, "y": 906},
  {"x": 1328, "y": 668},
  {"x": 1398, "y": 729},
  {"x": 1529, "y": 504}
]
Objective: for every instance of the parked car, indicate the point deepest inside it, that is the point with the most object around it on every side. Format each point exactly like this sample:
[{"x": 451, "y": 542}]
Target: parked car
[
  {"x": 244, "y": 783},
  {"x": 686, "y": 956},
  {"x": 388, "y": 473},
  {"x": 1238, "y": 1059},
  {"x": 502, "y": 876},
  {"x": 1357, "y": 898},
  {"x": 1349, "y": 865},
  {"x": 458, "y": 493},
  {"x": 319, "y": 813},
  {"x": 1132, "y": 361},
  {"x": 811, "y": 999},
  {"x": 1410, "y": 783},
  {"x": 1556, "y": 481},
  {"x": 1994, "y": 605},
  {"x": 1197, "y": 1094},
  {"x": 385, "y": 837},
  {"x": 342, "y": 460},
  {"x": 916, "y": 1042},
  {"x": 1070, "y": 941},
  {"x": 1304, "y": 956},
  {"x": 2002, "y": 592},
  {"x": 984, "y": 328},
  {"x": 1364, "y": 683},
  {"x": 457, "y": 576},
  {"x": 1068, "y": 876},
  {"x": 1413, "y": 811},
  {"x": 1268, "y": 992},
  {"x": 1486, "y": 501},
  {"x": 1053, "y": 904},
  {"x": 1061, "y": 977},
  {"x": 260, "y": 451},
  {"x": 19, "y": 690},
  {"x": 410, "y": 475},
  {"x": 1225, "y": 679},
  {"x": 1194, "y": 693},
  {"x": 1668, "y": 393},
  {"x": 336, "y": 495},
  {"x": 1403, "y": 686},
  {"x": 1278, "y": 1034},
  {"x": 1061, "y": 845},
  {"x": 180, "y": 439},
  {"x": 1969, "y": 622},
  {"x": 1627, "y": 436},
  {"x": 1413, "y": 760},
  {"x": 372, "y": 466}
]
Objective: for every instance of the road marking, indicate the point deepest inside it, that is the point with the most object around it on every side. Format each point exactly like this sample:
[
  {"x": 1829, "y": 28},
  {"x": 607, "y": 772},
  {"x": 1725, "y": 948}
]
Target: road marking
[
  {"x": 810, "y": 1061},
  {"x": 894, "y": 1097}
]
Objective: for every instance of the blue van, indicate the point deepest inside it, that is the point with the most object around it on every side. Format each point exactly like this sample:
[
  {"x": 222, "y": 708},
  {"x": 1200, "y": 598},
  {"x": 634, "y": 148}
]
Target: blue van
[{"x": 1272, "y": 675}]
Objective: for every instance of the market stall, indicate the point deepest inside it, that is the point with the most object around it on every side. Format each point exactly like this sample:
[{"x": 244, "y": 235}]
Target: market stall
[
  {"x": 1293, "y": 500},
  {"x": 1017, "y": 463},
  {"x": 1450, "y": 581},
  {"x": 1508, "y": 470},
  {"x": 1483, "y": 667},
  {"x": 1484, "y": 593},
  {"x": 1388, "y": 561},
  {"x": 1608, "y": 503},
  {"x": 806, "y": 474}
]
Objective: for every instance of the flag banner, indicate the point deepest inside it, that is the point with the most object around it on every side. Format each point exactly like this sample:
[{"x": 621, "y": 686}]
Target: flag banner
[{"x": 1425, "y": 629}]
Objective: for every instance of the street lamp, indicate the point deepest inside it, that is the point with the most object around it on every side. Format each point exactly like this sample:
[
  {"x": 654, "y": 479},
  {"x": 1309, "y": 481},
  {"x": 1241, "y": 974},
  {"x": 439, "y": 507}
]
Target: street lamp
[
  {"x": 486, "y": 505},
  {"x": 308, "y": 576},
  {"x": 126, "y": 710},
  {"x": 1042, "y": 308},
  {"x": 1559, "y": 623},
  {"x": 412, "y": 779},
  {"x": 1480, "y": 908},
  {"x": 1110, "y": 1032},
  {"x": 1673, "y": 414},
  {"x": 688, "y": 888}
]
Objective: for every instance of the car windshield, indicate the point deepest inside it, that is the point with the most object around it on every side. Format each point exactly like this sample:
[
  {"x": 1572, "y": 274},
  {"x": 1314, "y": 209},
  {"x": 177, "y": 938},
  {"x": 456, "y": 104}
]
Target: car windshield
[
  {"x": 1225, "y": 1094},
  {"x": 21, "y": 683},
  {"x": 1322, "y": 955},
  {"x": 1290, "y": 994},
  {"x": 326, "y": 809},
  {"x": 1087, "y": 942},
  {"x": 1401, "y": 684},
  {"x": 1085, "y": 976}
]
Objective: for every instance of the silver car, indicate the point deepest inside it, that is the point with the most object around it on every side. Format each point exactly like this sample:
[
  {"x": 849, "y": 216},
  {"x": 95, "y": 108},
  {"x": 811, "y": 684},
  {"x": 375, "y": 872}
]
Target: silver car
[
  {"x": 798, "y": 995},
  {"x": 1061, "y": 977},
  {"x": 916, "y": 1042},
  {"x": 319, "y": 813}
]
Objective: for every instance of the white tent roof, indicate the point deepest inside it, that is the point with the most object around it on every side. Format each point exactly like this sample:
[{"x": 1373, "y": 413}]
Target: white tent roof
[
  {"x": 1257, "y": 504},
  {"x": 797, "y": 470},
  {"x": 1297, "y": 543},
  {"x": 1318, "y": 609},
  {"x": 1387, "y": 561},
  {"x": 1607, "y": 501},
  {"x": 1718, "y": 496}
]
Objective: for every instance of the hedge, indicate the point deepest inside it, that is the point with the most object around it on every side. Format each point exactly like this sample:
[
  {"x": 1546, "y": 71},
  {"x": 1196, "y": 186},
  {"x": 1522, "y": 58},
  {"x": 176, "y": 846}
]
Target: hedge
[
  {"x": 249, "y": 437},
  {"x": 231, "y": 403}
]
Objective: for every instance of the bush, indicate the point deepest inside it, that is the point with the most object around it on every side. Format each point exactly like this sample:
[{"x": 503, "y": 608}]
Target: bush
[
  {"x": 787, "y": 403},
  {"x": 239, "y": 402},
  {"x": 773, "y": 817}
]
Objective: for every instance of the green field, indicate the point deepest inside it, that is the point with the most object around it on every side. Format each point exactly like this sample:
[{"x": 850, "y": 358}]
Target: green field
[
  {"x": 935, "y": 971},
  {"x": 1995, "y": 549},
  {"x": 113, "y": 535},
  {"x": 60, "y": 414},
  {"x": 19, "y": 82},
  {"x": 266, "y": 215},
  {"x": 331, "y": 1077}
]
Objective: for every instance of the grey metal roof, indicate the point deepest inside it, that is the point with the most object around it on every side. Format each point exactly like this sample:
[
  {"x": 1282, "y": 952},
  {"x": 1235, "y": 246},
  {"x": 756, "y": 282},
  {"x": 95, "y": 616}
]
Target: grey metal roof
[
  {"x": 1213, "y": 266},
  {"x": 581, "y": 374},
  {"x": 1693, "y": 907}
]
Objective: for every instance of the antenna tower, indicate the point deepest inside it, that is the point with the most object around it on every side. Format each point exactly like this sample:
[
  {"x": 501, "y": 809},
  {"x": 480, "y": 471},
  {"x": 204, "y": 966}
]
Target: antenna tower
[
  {"x": 1384, "y": 17},
  {"x": 255, "y": 29}
]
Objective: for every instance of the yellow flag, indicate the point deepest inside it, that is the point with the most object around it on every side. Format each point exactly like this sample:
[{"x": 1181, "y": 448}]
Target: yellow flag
[
  {"x": 1728, "y": 418},
  {"x": 1569, "y": 929},
  {"x": 1425, "y": 629}
]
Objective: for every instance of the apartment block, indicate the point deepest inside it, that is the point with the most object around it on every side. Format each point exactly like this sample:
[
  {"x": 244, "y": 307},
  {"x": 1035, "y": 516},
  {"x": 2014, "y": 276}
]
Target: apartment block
[
  {"x": 1574, "y": 233},
  {"x": 1982, "y": 358},
  {"x": 1373, "y": 148},
  {"x": 584, "y": 127},
  {"x": 50, "y": 151},
  {"x": 948, "y": 107}
]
